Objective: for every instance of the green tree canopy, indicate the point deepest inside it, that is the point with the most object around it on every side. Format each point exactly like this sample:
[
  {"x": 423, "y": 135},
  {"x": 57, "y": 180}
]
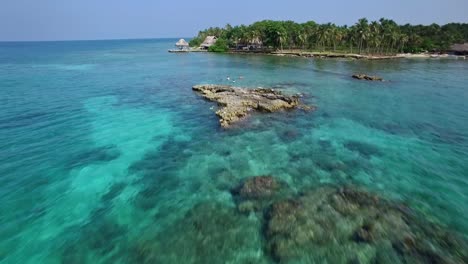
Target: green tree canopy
[{"x": 384, "y": 36}]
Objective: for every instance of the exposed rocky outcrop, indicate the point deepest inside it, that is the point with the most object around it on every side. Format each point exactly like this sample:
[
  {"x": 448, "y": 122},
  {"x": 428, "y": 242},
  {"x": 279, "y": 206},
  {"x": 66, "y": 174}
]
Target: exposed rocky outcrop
[
  {"x": 236, "y": 102},
  {"x": 367, "y": 77},
  {"x": 348, "y": 225}
]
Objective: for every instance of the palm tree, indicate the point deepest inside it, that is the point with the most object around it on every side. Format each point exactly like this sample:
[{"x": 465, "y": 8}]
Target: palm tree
[
  {"x": 323, "y": 35},
  {"x": 302, "y": 37},
  {"x": 374, "y": 36},
  {"x": 351, "y": 37},
  {"x": 335, "y": 34},
  {"x": 310, "y": 29},
  {"x": 383, "y": 32},
  {"x": 391, "y": 34},
  {"x": 382, "y": 37},
  {"x": 394, "y": 36},
  {"x": 403, "y": 40},
  {"x": 282, "y": 38},
  {"x": 362, "y": 32}
]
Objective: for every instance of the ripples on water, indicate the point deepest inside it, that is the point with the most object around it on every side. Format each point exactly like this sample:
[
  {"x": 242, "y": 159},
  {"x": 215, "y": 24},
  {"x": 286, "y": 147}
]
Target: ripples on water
[{"x": 106, "y": 156}]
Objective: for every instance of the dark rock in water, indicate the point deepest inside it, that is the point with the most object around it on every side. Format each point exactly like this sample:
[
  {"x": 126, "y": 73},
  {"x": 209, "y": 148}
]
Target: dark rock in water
[
  {"x": 208, "y": 233},
  {"x": 257, "y": 193},
  {"x": 238, "y": 102},
  {"x": 367, "y": 77},
  {"x": 365, "y": 149},
  {"x": 349, "y": 225},
  {"x": 290, "y": 135},
  {"x": 258, "y": 187}
]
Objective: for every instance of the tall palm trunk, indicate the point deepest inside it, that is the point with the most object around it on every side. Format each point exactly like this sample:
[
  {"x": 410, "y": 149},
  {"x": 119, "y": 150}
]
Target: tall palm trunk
[{"x": 360, "y": 46}]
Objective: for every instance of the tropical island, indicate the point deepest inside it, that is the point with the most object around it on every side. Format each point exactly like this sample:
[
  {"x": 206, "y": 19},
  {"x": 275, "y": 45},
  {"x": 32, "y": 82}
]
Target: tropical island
[{"x": 382, "y": 38}]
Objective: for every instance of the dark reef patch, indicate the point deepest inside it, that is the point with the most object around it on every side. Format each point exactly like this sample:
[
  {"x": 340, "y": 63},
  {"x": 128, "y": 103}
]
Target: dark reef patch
[
  {"x": 364, "y": 149},
  {"x": 330, "y": 165},
  {"x": 324, "y": 224},
  {"x": 154, "y": 189},
  {"x": 99, "y": 237},
  {"x": 209, "y": 233},
  {"x": 437, "y": 133},
  {"x": 113, "y": 192},
  {"x": 167, "y": 158},
  {"x": 289, "y": 134},
  {"x": 100, "y": 154},
  {"x": 258, "y": 188},
  {"x": 255, "y": 194},
  {"x": 158, "y": 170},
  {"x": 350, "y": 225},
  {"x": 325, "y": 145}
]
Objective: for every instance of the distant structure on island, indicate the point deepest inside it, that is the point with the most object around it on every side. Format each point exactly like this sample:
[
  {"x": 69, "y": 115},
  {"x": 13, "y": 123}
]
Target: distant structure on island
[
  {"x": 252, "y": 45},
  {"x": 460, "y": 49},
  {"x": 209, "y": 41},
  {"x": 181, "y": 46}
]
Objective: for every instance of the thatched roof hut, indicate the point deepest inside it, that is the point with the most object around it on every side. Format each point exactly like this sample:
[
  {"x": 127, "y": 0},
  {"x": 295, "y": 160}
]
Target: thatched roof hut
[
  {"x": 182, "y": 44},
  {"x": 209, "y": 41},
  {"x": 460, "y": 49}
]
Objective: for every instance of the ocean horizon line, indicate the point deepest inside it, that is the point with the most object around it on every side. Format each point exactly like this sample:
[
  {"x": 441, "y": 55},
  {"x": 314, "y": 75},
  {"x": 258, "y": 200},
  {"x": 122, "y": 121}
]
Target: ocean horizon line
[{"x": 89, "y": 40}]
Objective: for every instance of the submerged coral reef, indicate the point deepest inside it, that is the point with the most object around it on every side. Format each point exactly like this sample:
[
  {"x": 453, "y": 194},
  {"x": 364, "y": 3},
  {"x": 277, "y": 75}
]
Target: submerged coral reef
[
  {"x": 349, "y": 225},
  {"x": 209, "y": 233},
  {"x": 327, "y": 224}
]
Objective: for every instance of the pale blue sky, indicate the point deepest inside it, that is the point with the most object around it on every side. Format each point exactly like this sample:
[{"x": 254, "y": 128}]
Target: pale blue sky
[{"x": 115, "y": 19}]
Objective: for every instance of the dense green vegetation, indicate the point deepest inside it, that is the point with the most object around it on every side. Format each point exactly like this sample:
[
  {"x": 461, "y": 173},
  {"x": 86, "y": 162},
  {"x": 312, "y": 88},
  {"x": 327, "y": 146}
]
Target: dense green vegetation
[
  {"x": 197, "y": 41},
  {"x": 220, "y": 46},
  {"x": 377, "y": 37}
]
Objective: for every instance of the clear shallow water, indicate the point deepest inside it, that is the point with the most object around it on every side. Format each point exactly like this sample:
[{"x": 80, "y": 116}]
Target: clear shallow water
[{"x": 104, "y": 148}]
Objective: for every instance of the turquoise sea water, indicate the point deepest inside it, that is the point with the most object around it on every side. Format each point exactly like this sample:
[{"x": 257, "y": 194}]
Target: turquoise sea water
[{"x": 104, "y": 146}]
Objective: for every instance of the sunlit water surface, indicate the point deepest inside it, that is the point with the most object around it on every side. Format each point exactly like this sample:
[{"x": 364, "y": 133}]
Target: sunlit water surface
[{"x": 104, "y": 147}]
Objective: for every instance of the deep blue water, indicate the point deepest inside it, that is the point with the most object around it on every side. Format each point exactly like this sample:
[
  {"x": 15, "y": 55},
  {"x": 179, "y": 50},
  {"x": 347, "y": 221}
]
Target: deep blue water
[{"x": 103, "y": 144}]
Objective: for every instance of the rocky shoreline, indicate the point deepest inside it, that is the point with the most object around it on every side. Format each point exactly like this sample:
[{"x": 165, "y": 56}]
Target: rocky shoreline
[
  {"x": 335, "y": 55},
  {"x": 237, "y": 103}
]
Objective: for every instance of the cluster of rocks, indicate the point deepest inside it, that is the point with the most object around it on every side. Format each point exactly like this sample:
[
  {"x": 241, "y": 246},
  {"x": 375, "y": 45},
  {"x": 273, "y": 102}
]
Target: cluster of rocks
[
  {"x": 367, "y": 77},
  {"x": 237, "y": 102}
]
